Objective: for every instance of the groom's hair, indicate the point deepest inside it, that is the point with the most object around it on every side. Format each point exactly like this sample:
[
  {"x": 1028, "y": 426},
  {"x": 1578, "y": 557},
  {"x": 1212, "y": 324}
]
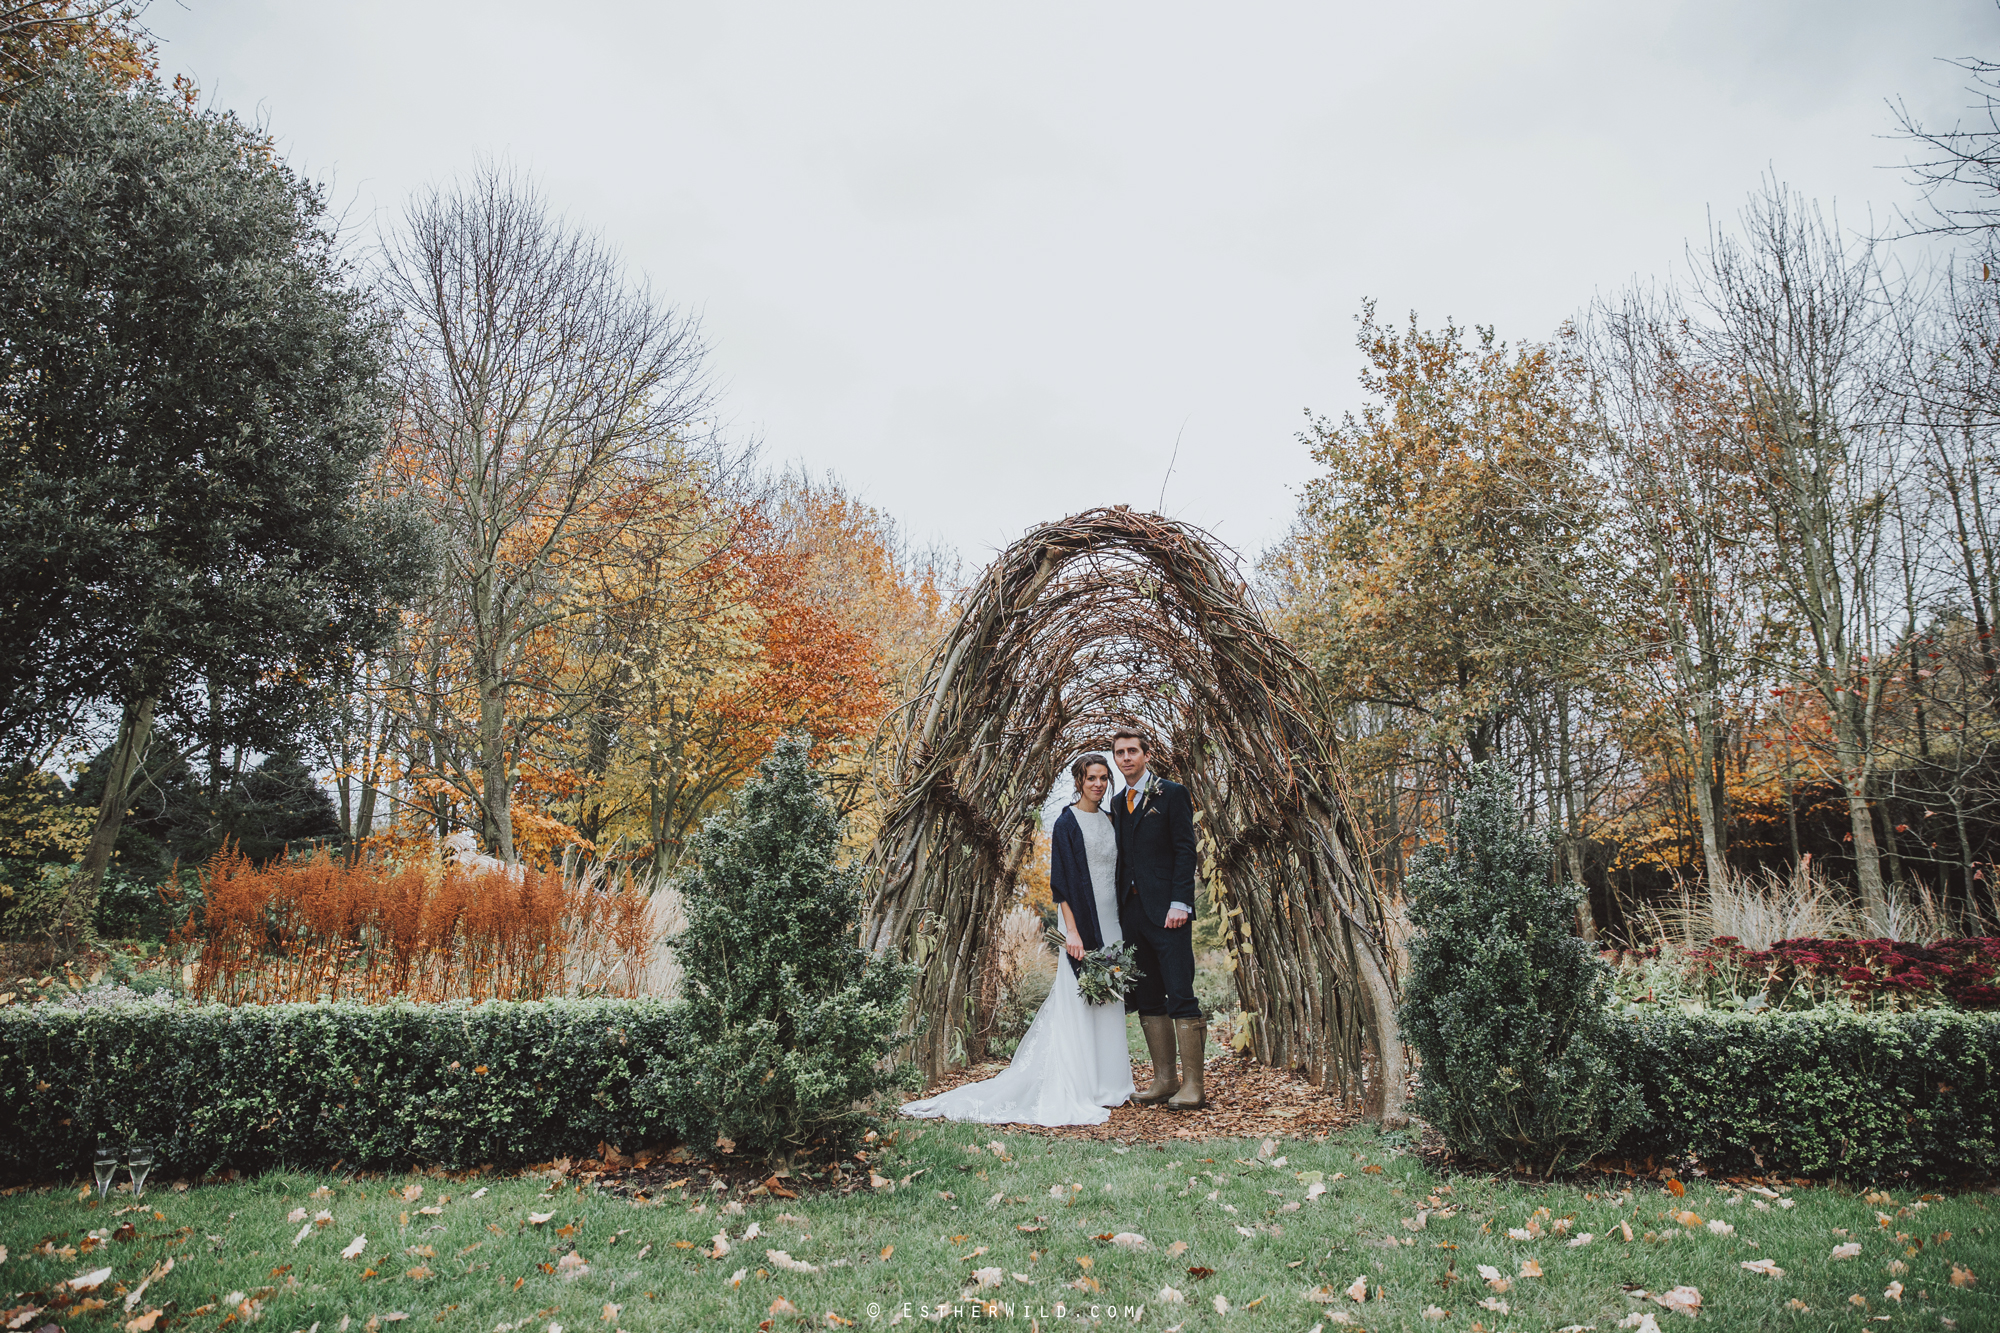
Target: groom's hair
[{"x": 1145, "y": 743}]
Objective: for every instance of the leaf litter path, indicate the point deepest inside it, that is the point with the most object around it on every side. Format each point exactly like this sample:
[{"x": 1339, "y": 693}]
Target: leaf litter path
[{"x": 1245, "y": 1100}]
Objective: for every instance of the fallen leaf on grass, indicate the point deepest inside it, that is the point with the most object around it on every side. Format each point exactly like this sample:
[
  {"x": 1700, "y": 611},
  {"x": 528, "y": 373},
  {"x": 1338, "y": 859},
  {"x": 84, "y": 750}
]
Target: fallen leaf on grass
[
  {"x": 354, "y": 1247},
  {"x": 1434, "y": 1314},
  {"x": 1721, "y": 1228},
  {"x": 1130, "y": 1240},
  {"x": 1681, "y": 1300},
  {"x": 1626, "y": 1228},
  {"x": 1641, "y": 1320},
  {"x": 1177, "y": 1249},
  {"x": 782, "y": 1306},
  {"x": 611, "y": 1312},
  {"x": 296, "y": 1215},
  {"x": 1198, "y": 1273},
  {"x": 1581, "y": 1238},
  {"x": 536, "y": 1219},
  {"x": 1169, "y": 1296},
  {"x": 304, "y": 1231},
  {"x": 1847, "y": 1251},
  {"x": 1529, "y": 1268},
  {"x": 983, "y": 1278},
  {"x": 1961, "y": 1276},
  {"x": 417, "y": 1274},
  {"x": 144, "y": 1323},
  {"x": 1767, "y": 1267},
  {"x": 413, "y": 1193},
  {"x": 90, "y": 1281},
  {"x": 432, "y": 1211},
  {"x": 1357, "y": 1290},
  {"x": 1796, "y": 1304},
  {"x": 1688, "y": 1218},
  {"x": 785, "y": 1261},
  {"x": 1495, "y": 1304},
  {"x": 736, "y": 1278},
  {"x": 1894, "y": 1291},
  {"x": 1519, "y": 1233},
  {"x": 1221, "y": 1304}
]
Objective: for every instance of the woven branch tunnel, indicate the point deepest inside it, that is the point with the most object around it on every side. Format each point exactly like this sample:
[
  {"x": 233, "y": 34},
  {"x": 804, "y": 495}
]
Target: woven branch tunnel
[{"x": 1112, "y": 619}]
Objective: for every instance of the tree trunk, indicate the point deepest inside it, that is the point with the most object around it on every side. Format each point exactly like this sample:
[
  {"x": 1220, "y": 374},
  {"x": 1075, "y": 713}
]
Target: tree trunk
[
  {"x": 1707, "y": 817},
  {"x": 498, "y": 824},
  {"x": 1860, "y": 820},
  {"x": 135, "y": 732}
]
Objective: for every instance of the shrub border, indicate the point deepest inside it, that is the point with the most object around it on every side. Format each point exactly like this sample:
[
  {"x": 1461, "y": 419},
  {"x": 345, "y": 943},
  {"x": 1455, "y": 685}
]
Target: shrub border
[
  {"x": 252, "y": 1087},
  {"x": 1819, "y": 1092}
]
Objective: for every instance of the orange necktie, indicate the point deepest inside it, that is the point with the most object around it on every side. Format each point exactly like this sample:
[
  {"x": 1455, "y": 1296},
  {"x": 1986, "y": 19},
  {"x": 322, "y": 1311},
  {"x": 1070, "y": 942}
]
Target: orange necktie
[{"x": 1131, "y": 800}]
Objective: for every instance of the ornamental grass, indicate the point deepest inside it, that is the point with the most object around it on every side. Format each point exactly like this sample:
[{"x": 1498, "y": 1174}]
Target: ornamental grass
[{"x": 312, "y": 929}]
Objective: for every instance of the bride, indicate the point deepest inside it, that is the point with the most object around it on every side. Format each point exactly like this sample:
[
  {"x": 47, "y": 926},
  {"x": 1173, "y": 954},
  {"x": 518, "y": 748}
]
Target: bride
[{"x": 1073, "y": 1063}]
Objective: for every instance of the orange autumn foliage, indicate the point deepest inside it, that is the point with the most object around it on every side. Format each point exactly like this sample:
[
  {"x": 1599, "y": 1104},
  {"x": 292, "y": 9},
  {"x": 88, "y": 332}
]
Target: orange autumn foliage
[{"x": 316, "y": 929}]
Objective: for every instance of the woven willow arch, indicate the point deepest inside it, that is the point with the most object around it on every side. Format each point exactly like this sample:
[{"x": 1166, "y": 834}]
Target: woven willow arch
[{"x": 1104, "y": 620}]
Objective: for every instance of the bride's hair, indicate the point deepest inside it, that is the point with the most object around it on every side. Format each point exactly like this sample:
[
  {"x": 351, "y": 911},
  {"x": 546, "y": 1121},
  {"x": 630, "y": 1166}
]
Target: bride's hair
[{"x": 1080, "y": 770}]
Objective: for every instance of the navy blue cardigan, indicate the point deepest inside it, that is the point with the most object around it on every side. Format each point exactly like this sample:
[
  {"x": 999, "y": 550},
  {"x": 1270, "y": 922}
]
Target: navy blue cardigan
[{"x": 1069, "y": 881}]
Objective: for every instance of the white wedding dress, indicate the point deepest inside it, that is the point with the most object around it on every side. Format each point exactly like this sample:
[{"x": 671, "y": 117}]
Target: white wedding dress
[{"x": 1073, "y": 1064}]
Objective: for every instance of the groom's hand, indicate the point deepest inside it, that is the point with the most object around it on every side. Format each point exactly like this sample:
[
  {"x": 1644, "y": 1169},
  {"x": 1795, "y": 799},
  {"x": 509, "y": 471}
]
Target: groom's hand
[{"x": 1176, "y": 918}]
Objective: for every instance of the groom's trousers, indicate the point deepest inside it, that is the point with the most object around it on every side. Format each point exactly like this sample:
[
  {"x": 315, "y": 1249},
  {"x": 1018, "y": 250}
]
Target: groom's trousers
[{"x": 1167, "y": 959}]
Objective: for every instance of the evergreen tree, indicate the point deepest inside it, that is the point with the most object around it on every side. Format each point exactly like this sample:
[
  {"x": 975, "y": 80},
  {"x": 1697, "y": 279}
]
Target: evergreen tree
[
  {"x": 1505, "y": 1006},
  {"x": 191, "y": 392},
  {"x": 790, "y": 1019}
]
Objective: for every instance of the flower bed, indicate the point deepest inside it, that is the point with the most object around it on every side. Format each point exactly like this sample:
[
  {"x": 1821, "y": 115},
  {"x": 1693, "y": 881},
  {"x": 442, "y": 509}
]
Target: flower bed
[{"x": 1866, "y": 975}]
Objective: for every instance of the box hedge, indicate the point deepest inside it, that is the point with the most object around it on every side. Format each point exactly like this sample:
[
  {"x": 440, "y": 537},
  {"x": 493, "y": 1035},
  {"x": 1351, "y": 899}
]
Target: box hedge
[
  {"x": 1868, "y": 1096},
  {"x": 456, "y": 1085}
]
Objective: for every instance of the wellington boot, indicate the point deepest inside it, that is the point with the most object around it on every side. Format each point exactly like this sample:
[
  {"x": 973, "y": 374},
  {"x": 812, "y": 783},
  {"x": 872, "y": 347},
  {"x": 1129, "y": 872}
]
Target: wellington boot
[
  {"x": 1191, "y": 1034},
  {"x": 1159, "y": 1030}
]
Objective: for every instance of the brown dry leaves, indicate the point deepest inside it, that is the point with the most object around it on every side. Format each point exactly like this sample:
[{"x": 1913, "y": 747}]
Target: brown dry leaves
[{"x": 1245, "y": 1100}]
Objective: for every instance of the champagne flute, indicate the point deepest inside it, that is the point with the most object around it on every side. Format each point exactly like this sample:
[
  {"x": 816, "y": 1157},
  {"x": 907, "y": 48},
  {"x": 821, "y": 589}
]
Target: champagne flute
[
  {"x": 139, "y": 1161},
  {"x": 105, "y": 1164}
]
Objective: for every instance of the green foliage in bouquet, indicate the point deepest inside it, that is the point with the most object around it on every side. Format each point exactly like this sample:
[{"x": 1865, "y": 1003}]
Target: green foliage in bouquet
[
  {"x": 1505, "y": 1005},
  {"x": 1105, "y": 974},
  {"x": 790, "y": 1020}
]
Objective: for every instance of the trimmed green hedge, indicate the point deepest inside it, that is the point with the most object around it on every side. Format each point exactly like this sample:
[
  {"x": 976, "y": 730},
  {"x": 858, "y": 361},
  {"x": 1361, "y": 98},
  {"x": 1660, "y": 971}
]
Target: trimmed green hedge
[
  {"x": 310, "y": 1085},
  {"x": 1819, "y": 1092}
]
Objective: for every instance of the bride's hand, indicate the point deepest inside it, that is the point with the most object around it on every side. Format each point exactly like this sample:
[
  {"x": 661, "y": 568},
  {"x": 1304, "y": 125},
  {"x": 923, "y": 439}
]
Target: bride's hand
[{"x": 1074, "y": 948}]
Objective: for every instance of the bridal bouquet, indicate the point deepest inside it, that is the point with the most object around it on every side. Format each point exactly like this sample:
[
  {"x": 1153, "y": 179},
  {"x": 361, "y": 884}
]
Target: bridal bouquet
[{"x": 1104, "y": 974}]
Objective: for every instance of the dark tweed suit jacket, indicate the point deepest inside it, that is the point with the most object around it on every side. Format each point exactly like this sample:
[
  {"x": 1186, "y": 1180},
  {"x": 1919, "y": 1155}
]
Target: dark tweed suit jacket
[{"x": 1156, "y": 852}]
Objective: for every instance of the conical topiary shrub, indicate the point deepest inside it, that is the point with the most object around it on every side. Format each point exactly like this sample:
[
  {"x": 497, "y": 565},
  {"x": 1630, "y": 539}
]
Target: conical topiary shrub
[
  {"x": 1505, "y": 1005},
  {"x": 789, "y": 1020}
]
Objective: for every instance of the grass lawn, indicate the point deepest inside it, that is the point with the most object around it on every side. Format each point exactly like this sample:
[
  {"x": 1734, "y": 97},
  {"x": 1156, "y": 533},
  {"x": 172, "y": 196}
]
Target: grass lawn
[{"x": 470, "y": 1253}]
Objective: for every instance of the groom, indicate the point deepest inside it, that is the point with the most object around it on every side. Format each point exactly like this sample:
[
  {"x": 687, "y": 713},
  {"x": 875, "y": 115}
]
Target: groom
[{"x": 1154, "y": 820}]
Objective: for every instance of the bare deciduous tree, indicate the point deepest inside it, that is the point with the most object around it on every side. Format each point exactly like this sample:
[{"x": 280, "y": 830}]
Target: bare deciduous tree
[
  {"x": 1801, "y": 317},
  {"x": 534, "y": 378},
  {"x": 1684, "y": 499}
]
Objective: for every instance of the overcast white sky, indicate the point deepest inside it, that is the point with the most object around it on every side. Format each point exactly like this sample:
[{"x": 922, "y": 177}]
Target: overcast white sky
[{"x": 986, "y": 261}]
